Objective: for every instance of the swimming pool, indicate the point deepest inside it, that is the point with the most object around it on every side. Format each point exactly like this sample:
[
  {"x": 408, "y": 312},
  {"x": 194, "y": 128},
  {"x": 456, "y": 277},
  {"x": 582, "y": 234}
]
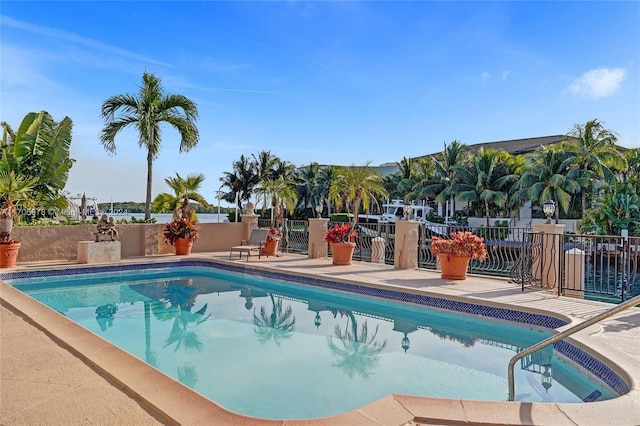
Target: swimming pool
[{"x": 157, "y": 313}]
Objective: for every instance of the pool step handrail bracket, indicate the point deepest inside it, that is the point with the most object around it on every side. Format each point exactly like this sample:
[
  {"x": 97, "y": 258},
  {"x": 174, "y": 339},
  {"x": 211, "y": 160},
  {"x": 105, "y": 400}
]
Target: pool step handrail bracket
[{"x": 557, "y": 337}]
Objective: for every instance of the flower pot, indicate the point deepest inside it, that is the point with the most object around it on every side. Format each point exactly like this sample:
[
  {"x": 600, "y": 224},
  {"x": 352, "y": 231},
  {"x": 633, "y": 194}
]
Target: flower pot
[
  {"x": 453, "y": 267},
  {"x": 9, "y": 254},
  {"x": 342, "y": 253},
  {"x": 270, "y": 247},
  {"x": 183, "y": 246}
]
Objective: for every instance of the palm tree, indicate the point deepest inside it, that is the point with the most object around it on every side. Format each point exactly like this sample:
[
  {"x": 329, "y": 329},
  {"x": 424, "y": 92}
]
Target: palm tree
[
  {"x": 326, "y": 176},
  {"x": 183, "y": 189},
  {"x": 281, "y": 193},
  {"x": 441, "y": 185},
  {"x": 307, "y": 182},
  {"x": 482, "y": 179},
  {"x": 593, "y": 148},
  {"x": 241, "y": 181},
  {"x": 548, "y": 176},
  {"x": 355, "y": 185},
  {"x": 146, "y": 112}
]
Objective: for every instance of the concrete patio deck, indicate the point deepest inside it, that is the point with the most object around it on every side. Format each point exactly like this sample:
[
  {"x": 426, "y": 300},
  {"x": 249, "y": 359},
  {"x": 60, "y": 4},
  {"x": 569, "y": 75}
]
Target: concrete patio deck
[{"x": 54, "y": 372}]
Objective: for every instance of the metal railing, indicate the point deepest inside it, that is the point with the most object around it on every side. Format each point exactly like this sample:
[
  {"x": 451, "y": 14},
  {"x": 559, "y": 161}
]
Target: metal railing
[
  {"x": 365, "y": 234},
  {"x": 503, "y": 247},
  {"x": 557, "y": 337}
]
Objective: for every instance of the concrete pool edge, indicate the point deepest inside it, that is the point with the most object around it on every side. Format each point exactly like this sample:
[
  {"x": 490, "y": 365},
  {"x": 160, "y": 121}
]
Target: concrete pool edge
[{"x": 179, "y": 404}]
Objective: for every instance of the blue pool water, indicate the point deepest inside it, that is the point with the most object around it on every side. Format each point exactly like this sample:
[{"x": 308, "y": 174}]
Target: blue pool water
[{"x": 267, "y": 348}]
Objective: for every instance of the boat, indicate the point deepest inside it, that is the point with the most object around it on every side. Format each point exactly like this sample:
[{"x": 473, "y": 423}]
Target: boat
[
  {"x": 86, "y": 210},
  {"x": 396, "y": 210}
]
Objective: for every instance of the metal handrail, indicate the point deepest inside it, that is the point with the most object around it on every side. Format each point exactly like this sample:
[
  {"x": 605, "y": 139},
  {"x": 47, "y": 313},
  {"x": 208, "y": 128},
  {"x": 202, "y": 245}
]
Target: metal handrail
[{"x": 606, "y": 314}]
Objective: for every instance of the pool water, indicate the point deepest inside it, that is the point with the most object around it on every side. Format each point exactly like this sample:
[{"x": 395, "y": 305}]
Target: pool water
[{"x": 271, "y": 349}]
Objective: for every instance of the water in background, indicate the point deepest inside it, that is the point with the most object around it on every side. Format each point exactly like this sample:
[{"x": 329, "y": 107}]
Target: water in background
[{"x": 167, "y": 217}]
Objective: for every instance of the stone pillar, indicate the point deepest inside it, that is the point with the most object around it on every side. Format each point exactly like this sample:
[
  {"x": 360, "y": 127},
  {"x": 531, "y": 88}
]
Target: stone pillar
[
  {"x": 574, "y": 260},
  {"x": 317, "y": 246},
  {"x": 249, "y": 221},
  {"x": 406, "y": 245},
  {"x": 546, "y": 268},
  {"x": 377, "y": 250}
]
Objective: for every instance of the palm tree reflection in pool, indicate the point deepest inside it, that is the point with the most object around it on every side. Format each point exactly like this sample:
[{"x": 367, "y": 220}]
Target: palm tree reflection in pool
[
  {"x": 276, "y": 326},
  {"x": 357, "y": 353},
  {"x": 180, "y": 297}
]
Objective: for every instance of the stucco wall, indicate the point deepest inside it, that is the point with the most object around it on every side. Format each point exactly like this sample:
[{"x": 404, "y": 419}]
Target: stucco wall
[{"x": 42, "y": 243}]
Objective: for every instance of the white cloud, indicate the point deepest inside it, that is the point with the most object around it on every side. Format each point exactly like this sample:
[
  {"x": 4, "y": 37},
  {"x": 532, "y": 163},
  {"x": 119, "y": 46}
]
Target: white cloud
[
  {"x": 597, "y": 83},
  {"x": 505, "y": 74},
  {"x": 485, "y": 76}
]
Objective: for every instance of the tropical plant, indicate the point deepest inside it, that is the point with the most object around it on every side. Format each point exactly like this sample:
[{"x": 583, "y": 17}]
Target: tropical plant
[
  {"x": 482, "y": 178},
  {"x": 355, "y": 185},
  {"x": 240, "y": 182},
  {"x": 274, "y": 234},
  {"x": 461, "y": 244},
  {"x": 281, "y": 194},
  {"x": 547, "y": 175},
  {"x": 340, "y": 233},
  {"x": 179, "y": 229},
  {"x": 146, "y": 112},
  {"x": 183, "y": 189},
  {"x": 593, "y": 149},
  {"x": 38, "y": 153}
]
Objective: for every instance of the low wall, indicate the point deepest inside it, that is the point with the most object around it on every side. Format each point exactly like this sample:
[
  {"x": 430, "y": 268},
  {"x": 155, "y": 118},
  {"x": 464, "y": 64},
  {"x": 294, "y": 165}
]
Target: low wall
[{"x": 42, "y": 243}]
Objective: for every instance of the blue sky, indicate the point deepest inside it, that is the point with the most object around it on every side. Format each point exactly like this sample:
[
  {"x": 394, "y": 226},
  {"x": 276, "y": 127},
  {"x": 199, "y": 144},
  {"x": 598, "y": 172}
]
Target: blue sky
[{"x": 331, "y": 82}]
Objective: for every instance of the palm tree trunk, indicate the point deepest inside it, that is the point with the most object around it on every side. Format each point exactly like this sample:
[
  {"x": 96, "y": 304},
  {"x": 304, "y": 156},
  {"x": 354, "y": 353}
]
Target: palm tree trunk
[
  {"x": 486, "y": 209},
  {"x": 147, "y": 207}
]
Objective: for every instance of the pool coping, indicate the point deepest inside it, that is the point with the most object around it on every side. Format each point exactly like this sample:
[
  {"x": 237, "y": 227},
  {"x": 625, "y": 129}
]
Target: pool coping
[{"x": 178, "y": 404}]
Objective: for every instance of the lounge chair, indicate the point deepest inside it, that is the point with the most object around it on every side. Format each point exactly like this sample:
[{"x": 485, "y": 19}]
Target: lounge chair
[{"x": 255, "y": 242}]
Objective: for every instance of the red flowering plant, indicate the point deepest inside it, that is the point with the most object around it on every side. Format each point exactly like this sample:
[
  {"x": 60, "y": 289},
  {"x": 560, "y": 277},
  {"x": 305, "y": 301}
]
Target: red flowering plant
[
  {"x": 342, "y": 233},
  {"x": 274, "y": 234},
  {"x": 461, "y": 244},
  {"x": 180, "y": 228}
]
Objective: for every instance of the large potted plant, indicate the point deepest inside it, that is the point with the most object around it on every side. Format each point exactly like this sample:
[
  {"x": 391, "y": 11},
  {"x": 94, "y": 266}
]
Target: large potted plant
[
  {"x": 340, "y": 238},
  {"x": 181, "y": 233},
  {"x": 270, "y": 246},
  {"x": 455, "y": 252},
  {"x": 13, "y": 188},
  {"x": 352, "y": 187}
]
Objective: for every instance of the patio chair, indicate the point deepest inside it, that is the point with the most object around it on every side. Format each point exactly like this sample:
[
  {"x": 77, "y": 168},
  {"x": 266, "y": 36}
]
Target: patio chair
[{"x": 255, "y": 242}]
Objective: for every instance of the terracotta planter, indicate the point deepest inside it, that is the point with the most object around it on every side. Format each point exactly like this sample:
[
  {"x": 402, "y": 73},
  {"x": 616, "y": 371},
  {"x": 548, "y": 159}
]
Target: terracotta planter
[
  {"x": 453, "y": 267},
  {"x": 183, "y": 246},
  {"x": 270, "y": 247},
  {"x": 342, "y": 253},
  {"x": 9, "y": 255}
]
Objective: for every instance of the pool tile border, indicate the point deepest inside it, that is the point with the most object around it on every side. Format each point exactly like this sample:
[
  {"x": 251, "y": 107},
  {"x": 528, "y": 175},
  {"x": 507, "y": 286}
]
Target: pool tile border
[{"x": 581, "y": 358}]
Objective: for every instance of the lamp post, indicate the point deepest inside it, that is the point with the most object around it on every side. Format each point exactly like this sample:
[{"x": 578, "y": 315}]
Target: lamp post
[
  {"x": 219, "y": 196},
  {"x": 549, "y": 208}
]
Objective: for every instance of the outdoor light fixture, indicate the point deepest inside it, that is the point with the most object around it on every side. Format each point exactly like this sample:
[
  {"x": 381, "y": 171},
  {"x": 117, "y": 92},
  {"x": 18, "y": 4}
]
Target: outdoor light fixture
[
  {"x": 317, "y": 320},
  {"x": 405, "y": 342},
  {"x": 549, "y": 208},
  {"x": 546, "y": 377}
]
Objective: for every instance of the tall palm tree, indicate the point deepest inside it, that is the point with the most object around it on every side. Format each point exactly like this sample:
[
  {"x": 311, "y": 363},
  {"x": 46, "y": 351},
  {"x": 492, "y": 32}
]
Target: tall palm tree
[
  {"x": 241, "y": 181},
  {"x": 355, "y": 185},
  {"x": 183, "y": 189},
  {"x": 146, "y": 112},
  {"x": 265, "y": 163},
  {"x": 593, "y": 148}
]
